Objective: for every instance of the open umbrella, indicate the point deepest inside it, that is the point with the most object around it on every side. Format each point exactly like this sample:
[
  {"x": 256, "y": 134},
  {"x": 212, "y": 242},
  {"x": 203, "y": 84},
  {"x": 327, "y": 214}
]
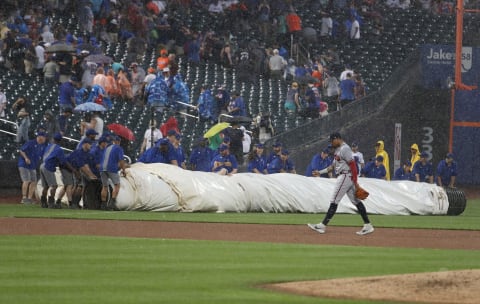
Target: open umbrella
[
  {"x": 216, "y": 129},
  {"x": 99, "y": 59},
  {"x": 60, "y": 48},
  {"x": 121, "y": 131},
  {"x": 89, "y": 107}
]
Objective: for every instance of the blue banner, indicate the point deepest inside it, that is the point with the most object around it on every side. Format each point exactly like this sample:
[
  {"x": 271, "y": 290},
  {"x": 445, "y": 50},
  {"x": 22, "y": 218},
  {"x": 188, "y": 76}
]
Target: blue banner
[{"x": 438, "y": 65}]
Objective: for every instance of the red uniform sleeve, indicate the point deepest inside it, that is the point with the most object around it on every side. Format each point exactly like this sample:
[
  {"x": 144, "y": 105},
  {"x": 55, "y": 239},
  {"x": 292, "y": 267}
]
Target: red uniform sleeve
[{"x": 353, "y": 169}]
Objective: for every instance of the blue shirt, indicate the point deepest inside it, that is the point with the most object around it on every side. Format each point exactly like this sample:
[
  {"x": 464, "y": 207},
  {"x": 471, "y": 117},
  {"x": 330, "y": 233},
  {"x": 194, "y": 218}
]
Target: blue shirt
[
  {"x": 34, "y": 152},
  {"x": 223, "y": 159},
  {"x": 79, "y": 158},
  {"x": 65, "y": 93},
  {"x": 400, "y": 174},
  {"x": 347, "y": 87},
  {"x": 367, "y": 171},
  {"x": 111, "y": 157},
  {"x": 53, "y": 157},
  {"x": 422, "y": 170},
  {"x": 446, "y": 172},
  {"x": 97, "y": 153},
  {"x": 201, "y": 158},
  {"x": 277, "y": 165},
  {"x": 259, "y": 163},
  {"x": 154, "y": 155},
  {"x": 271, "y": 157},
  {"x": 79, "y": 145},
  {"x": 318, "y": 163},
  {"x": 378, "y": 172},
  {"x": 180, "y": 155},
  {"x": 240, "y": 104}
]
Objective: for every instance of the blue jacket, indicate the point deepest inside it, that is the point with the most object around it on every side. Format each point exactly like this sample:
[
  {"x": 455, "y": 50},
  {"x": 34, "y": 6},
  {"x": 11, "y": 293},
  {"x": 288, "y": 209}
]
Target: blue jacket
[{"x": 53, "y": 157}]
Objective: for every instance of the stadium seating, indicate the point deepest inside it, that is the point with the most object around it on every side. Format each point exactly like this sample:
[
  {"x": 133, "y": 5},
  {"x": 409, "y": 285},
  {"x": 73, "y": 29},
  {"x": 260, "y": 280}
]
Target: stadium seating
[{"x": 374, "y": 57}]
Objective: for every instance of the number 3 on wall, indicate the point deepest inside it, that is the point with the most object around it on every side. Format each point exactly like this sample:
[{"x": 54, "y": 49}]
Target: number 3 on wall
[{"x": 427, "y": 141}]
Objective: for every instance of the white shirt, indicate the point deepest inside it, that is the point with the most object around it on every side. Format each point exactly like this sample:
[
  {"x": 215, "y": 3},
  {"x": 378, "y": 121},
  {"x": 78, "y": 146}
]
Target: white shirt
[
  {"x": 361, "y": 161},
  {"x": 213, "y": 8},
  {"x": 247, "y": 141},
  {"x": 355, "y": 30},
  {"x": 48, "y": 37},
  {"x": 343, "y": 76},
  {"x": 3, "y": 104},
  {"x": 326, "y": 28},
  {"x": 40, "y": 52},
  {"x": 98, "y": 127},
  {"x": 149, "y": 78},
  {"x": 343, "y": 155},
  {"x": 157, "y": 134},
  {"x": 331, "y": 84}
]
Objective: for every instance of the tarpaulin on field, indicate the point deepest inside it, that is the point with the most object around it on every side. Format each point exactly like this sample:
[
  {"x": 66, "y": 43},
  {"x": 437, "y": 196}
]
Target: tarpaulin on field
[{"x": 161, "y": 187}]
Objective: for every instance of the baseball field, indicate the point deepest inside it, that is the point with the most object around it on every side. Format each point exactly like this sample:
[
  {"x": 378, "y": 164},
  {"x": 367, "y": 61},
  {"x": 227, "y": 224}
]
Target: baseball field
[{"x": 82, "y": 256}]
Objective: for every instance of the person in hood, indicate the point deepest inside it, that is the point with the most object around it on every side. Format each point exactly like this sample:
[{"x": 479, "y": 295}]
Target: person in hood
[
  {"x": 415, "y": 154},
  {"x": 380, "y": 151}
]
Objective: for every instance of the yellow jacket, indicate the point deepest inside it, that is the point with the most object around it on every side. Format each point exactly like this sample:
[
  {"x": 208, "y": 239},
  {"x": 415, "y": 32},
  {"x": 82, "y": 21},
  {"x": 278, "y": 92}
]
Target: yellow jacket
[
  {"x": 381, "y": 152},
  {"x": 416, "y": 155}
]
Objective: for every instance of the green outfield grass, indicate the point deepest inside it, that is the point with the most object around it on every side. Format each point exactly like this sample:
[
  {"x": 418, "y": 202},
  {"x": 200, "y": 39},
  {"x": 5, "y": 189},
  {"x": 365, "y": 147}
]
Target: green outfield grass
[
  {"x": 80, "y": 269},
  {"x": 469, "y": 220},
  {"x": 74, "y": 269}
]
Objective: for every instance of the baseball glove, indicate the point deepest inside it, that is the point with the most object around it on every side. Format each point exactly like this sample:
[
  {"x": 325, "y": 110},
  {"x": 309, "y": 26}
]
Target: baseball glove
[{"x": 361, "y": 193}]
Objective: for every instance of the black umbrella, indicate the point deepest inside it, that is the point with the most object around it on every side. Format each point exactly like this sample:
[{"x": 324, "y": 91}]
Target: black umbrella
[
  {"x": 238, "y": 119},
  {"x": 60, "y": 48},
  {"x": 99, "y": 59}
]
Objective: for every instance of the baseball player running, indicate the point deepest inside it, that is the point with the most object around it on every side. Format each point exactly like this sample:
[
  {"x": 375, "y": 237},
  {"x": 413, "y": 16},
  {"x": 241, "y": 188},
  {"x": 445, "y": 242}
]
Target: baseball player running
[{"x": 346, "y": 171}]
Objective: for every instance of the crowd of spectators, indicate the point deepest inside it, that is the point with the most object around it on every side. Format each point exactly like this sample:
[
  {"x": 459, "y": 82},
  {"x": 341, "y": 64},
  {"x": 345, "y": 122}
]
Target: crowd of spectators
[{"x": 35, "y": 44}]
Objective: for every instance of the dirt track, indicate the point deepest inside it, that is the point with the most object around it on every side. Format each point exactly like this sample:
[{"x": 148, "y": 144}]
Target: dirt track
[{"x": 382, "y": 237}]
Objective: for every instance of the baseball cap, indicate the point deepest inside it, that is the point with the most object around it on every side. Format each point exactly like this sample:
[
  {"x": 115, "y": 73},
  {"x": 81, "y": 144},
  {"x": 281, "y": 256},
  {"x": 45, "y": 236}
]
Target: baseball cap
[
  {"x": 285, "y": 152},
  {"x": 116, "y": 138},
  {"x": 57, "y": 136},
  {"x": 171, "y": 132},
  {"x": 87, "y": 140},
  {"x": 163, "y": 141},
  {"x": 67, "y": 110},
  {"x": 133, "y": 64},
  {"x": 277, "y": 144},
  {"x": 408, "y": 163},
  {"x": 424, "y": 154},
  {"x": 166, "y": 69},
  {"x": 91, "y": 132},
  {"x": 41, "y": 133},
  {"x": 326, "y": 150},
  {"x": 354, "y": 144},
  {"x": 379, "y": 158},
  {"x": 223, "y": 147},
  {"x": 178, "y": 136},
  {"x": 450, "y": 155},
  {"x": 103, "y": 139},
  {"x": 335, "y": 135},
  {"x": 260, "y": 146}
]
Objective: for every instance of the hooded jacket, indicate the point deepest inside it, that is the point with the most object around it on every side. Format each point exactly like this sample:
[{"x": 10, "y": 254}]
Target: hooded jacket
[
  {"x": 384, "y": 154},
  {"x": 416, "y": 155}
]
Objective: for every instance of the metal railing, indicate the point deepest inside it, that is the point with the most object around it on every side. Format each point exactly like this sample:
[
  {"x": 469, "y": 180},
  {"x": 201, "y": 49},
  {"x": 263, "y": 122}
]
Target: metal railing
[
  {"x": 187, "y": 114},
  {"x": 11, "y": 123}
]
